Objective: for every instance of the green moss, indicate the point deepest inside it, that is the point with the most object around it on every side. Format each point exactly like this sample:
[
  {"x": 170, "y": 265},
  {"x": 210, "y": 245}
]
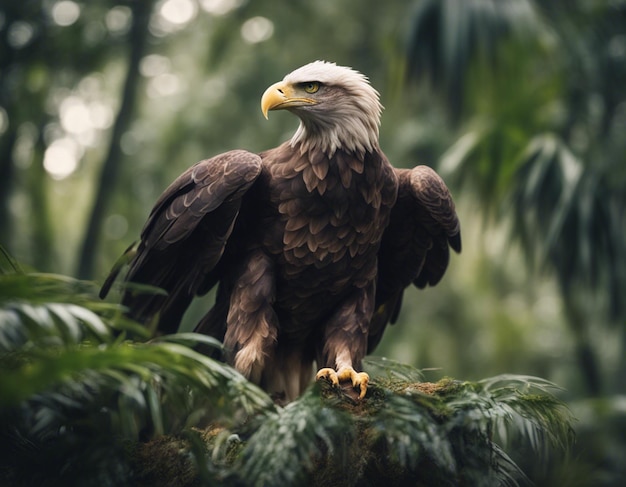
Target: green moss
[
  {"x": 417, "y": 433},
  {"x": 166, "y": 460}
]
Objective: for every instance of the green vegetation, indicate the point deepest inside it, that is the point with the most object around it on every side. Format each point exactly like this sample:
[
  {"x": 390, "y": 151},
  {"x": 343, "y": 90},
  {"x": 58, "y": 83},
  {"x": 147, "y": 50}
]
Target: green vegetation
[
  {"x": 83, "y": 405},
  {"x": 519, "y": 104}
]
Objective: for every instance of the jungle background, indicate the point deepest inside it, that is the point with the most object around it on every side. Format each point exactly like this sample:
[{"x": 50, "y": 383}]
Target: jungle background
[{"x": 519, "y": 104}]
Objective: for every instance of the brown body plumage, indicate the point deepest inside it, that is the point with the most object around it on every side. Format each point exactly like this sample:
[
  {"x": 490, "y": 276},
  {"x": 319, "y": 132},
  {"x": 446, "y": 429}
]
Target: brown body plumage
[{"x": 311, "y": 244}]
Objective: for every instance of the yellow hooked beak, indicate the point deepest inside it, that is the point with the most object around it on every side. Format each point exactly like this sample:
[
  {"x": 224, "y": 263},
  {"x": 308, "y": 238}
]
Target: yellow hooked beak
[{"x": 283, "y": 95}]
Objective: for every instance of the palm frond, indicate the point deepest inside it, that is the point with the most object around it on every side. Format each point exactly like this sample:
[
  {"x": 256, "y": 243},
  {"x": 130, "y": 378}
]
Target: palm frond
[
  {"x": 559, "y": 171},
  {"x": 461, "y": 429},
  {"x": 52, "y": 307},
  {"x": 297, "y": 435},
  {"x": 49, "y": 323},
  {"x": 140, "y": 373},
  {"x": 74, "y": 389},
  {"x": 386, "y": 368},
  {"x": 519, "y": 405},
  {"x": 568, "y": 213},
  {"x": 412, "y": 436},
  {"x": 448, "y": 35}
]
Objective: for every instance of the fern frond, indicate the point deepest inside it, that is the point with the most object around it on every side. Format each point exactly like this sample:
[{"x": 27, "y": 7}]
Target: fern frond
[
  {"x": 49, "y": 324},
  {"x": 54, "y": 310},
  {"x": 412, "y": 435},
  {"x": 166, "y": 370},
  {"x": 59, "y": 399},
  {"x": 384, "y": 368},
  {"x": 284, "y": 449},
  {"x": 522, "y": 405}
]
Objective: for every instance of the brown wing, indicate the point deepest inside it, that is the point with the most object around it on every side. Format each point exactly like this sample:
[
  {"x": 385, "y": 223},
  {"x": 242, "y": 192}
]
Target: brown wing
[
  {"x": 416, "y": 244},
  {"x": 185, "y": 236}
]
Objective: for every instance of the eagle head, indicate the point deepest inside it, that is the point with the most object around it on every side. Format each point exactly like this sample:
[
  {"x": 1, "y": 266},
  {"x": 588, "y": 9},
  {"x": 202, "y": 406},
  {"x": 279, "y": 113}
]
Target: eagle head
[{"x": 337, "y": 107}]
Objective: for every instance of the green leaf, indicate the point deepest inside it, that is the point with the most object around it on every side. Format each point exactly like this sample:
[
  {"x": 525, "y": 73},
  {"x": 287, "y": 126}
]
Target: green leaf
[
  {"x": 8, "y": 265},
  {"x": 302, "y": 432}
]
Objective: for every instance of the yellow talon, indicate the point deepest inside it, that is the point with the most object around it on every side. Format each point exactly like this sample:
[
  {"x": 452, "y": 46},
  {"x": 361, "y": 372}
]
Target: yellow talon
[
  {"x": 328, "y": 374},
  {"x": 360, "y": 380}
]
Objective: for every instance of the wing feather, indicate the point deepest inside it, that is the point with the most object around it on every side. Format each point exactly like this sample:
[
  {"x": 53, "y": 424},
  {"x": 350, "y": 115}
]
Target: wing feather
[
  {"x": 415, "y": 248},
  {"x": 186, "y": 234}
]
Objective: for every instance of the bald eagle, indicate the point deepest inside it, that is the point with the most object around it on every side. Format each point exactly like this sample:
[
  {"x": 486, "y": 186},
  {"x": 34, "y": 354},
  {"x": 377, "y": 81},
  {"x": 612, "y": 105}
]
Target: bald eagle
[{"x": 310, "y": 244}]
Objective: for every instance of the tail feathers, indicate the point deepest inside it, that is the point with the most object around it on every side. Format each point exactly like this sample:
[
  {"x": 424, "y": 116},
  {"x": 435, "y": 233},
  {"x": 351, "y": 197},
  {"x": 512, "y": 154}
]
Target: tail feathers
[{"x": 285, "y": 376}]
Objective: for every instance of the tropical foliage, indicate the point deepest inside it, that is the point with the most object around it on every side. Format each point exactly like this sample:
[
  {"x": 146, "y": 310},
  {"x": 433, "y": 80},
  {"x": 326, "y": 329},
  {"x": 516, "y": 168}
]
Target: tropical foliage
[
  {"x": 82, "y": 404},
  {"x": 74, "y": 387},
  {"x": 103, "y": 103},
  {"x": 548, "y": 151}
]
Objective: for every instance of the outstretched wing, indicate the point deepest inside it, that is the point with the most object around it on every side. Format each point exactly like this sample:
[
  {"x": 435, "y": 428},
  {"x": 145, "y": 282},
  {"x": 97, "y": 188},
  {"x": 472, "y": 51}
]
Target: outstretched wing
[
  {"x": 185, "y": 236},
  {"x": 416, "y": 245}
]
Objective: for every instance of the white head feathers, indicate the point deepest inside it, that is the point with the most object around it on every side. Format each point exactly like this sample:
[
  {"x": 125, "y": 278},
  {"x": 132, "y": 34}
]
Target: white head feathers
[{"x": 347, "y": 115}]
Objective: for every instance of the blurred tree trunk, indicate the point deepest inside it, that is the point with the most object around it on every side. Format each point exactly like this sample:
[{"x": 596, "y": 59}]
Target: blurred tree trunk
[
  {"x": 577, "y": 320},
  {"x": 620, "y": 374},
  {"x": 7, "y": 169},
  {"x": 43, "y": 234},
  {"x": 110, "y": 169},
  {"x": 7, "y": 140}
]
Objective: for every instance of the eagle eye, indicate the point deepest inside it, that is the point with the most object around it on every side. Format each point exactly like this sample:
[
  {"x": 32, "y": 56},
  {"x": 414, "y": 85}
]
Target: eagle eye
[{"x": 311, "y": 87}]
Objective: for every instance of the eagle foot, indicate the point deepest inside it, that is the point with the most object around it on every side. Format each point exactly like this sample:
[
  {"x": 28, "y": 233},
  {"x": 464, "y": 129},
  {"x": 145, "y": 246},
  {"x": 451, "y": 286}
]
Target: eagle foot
[{"x": 359, "y": 380}]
